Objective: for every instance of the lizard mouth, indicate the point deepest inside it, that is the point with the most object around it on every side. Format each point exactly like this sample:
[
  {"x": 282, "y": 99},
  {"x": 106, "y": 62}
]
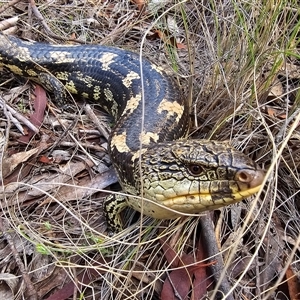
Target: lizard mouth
[
  {"x": 212, "y": 196},
  {"x": 195, "y": 203}
]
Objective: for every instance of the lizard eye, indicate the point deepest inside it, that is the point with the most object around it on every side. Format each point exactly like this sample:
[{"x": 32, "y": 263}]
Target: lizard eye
[{"x": 195, "y": 169}]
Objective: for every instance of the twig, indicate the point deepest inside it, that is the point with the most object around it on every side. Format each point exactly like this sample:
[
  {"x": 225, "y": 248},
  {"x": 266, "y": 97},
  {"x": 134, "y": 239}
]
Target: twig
[
  {"x": 280, "y": 135},
  {"x": 85, "y": 145},
  {"x": 9, "y": 4},
  {"x": 18, "y": 117},
  {"x": 9, "y": 23},
  {"x": 96, "y": 121},
  {"x": 213, "y": 252},
  {"x": 176, "y": 294}
]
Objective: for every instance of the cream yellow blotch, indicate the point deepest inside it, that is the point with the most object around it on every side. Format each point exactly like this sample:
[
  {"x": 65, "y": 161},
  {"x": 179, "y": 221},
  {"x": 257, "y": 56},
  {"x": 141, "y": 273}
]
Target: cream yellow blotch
[
  {"x": 61, "y": 56},
  {"x": 119, "y": 142},
  {"x": 31, "y": 73},
  {"x": 106, "y": 59},
  {"x": 23, "y": 54},
  {"x": 130, "y": 76},
  {"x": 157, "y": 68},
  {"x": 15, "y": 69},
  {"x": 96, "y": 92},
  {"x": 145, "y": 138},
  {"x": 62, "y": 75},
  {"x": 132, "y": 104},
  {"x": 138, "y": 153},
  {"x": 70, "y": 86},
  {"x": 173, "y": 108}
]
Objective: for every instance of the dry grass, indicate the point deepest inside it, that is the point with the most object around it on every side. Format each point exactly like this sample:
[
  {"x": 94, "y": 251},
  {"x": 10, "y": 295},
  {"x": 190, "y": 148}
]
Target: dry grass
[{"x": 239, "y": 63}]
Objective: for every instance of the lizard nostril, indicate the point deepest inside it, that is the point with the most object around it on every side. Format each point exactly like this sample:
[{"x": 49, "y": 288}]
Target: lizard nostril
[
  {"x": 253, "y": 177},
  {"x": 244, "y": 176}
]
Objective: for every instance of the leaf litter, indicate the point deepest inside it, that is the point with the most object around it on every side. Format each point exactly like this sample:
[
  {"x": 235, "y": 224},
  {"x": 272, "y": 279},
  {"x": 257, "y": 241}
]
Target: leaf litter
[{"x": 55, "y": 167}]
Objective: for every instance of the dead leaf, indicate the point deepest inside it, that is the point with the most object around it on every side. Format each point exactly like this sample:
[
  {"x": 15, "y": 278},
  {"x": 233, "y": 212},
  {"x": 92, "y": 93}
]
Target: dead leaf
[
  {"x": 170, "y": 254},
  {"x": 140, "y": 4},
  {"x": 9, "y": 164},
  {"x": 276, "y": 90},
  {"x": 37, "y": 116},
  {"x": 201, "y": 279},
  {"x": 83, "y": 279},
  {"x": 59, "y": 156},
  {"x": 177, "y": 284},
  {"x": 276, "y": 113},
  {"x": 167, "y": 39},
  {"x": 9, "y": 286},
  {"x": 14, "y": 163},
  {"x": 271, "y": 112},
  {"x": 73, "y": 35},
  {"x": 46, "y": 160},
  {"x": 40, "y": 104},
  {"x": 184, "y": 279},
  {"x": 181, "y": 46},
  {"x": 293, "y": 284}
]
